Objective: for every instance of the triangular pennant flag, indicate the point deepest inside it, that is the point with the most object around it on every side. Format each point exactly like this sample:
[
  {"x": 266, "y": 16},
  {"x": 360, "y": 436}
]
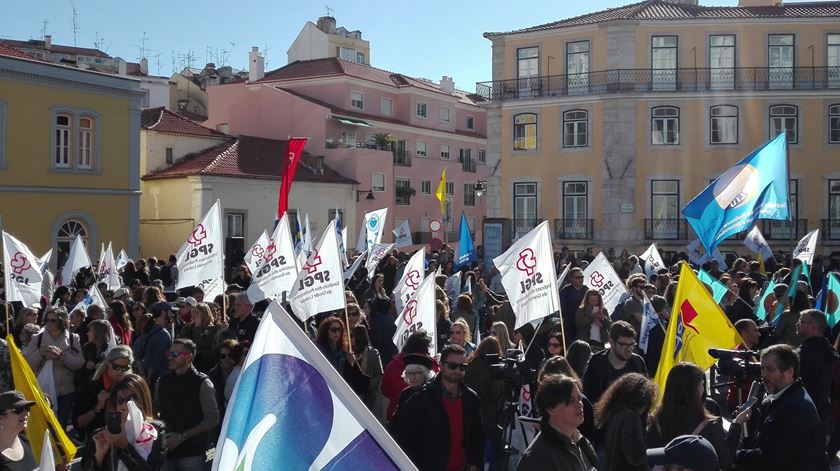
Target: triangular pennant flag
[
  {"x": 466, "y": 248},
  {"x": 411, "y": 279},
  {"x": 377, "y": 253},
  {"x": 757, "y": 244},
  {"x": 108, "y": 272},
  {"x": 601, "y": 275},
  {"x": 402, "y": 235},
  {"x": 200, "y": 260},
  {"x": 23, "y": 275},
  {"x": 719, "y": 289},
  {"x": 375, "y": 226},
  {"x": 653, "y": 261},
  {"x": 319, "y": 286},
  {"x": 650, "y": 319},
  {"x": 254, "y": 256},
  {"x": 76, "y": 260},
  {"x": 278, "y": 269},
  {"x": 122, "y": 259},
  {"x": 419, "y": 313},
  {"x": 47, "y": 462},
  {"x": 355, "y": 266},
  {"x": 765, "y": 302},
  {"x": 831, "y": 306},
  {"x": 806, "y": 247}
]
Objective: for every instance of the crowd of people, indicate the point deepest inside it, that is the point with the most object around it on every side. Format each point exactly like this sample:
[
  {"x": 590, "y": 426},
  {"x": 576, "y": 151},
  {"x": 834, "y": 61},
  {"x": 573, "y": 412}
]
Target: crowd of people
[{"x": 164, "y": 364}]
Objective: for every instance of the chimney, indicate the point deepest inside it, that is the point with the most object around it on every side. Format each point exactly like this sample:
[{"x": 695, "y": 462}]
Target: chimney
[
  {"x": 319, "y": 165},
  {"x": 256, "y": 65},
  {"x": 759, "y": 3},
  {"x": 223, "y": 128},
  {"x": 121, "y": 67},
  {"x": 48, "y": 42},
  {"x": 144, "y": 66},
  {"x": 326, "y": 24},
  {"x": 447, "y": 84}
]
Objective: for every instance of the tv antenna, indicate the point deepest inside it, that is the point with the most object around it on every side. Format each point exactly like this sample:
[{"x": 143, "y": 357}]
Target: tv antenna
[
  {"x": 75, "y": 26},
  {"x": 329, "y": 10}
]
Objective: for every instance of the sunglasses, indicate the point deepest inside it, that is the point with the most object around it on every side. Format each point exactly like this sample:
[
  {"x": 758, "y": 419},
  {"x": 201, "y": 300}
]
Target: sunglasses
[
  {"x": 335, "y": 329},
  {"x": 123, "y": 400},
  {"x": 176, "y": 354},
  {"x": 122, "y": 368},
  {"x": 19, "y": 410},
  {"x": 455, "y": 366}
]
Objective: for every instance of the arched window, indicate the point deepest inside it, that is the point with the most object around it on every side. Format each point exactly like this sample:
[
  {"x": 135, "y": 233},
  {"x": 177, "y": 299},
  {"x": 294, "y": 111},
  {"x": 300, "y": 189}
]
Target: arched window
[
  {"x": 723, "y": 124},
  {"x": 85, "y": 143},
  {"x": 65, "y": 236},
  {"x": 62, "y": 141},
  {"x": 525, "y": 131},
  {"x": 575, "y": 129},
  {"x": 665, "y": 126}
]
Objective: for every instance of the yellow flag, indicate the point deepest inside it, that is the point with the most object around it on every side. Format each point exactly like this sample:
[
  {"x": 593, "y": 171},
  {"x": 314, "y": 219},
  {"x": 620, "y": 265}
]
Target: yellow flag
[
  {"x": 41, "y": 417},
  {"x": 441, "y": 192},
  {"x": 761, "y": 268},
  {"x": 696, "y": 325}
]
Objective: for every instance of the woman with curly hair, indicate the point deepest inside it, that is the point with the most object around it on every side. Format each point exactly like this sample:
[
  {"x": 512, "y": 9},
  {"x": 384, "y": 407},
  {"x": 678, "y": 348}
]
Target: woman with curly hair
[
  {"x": 622, "y": 415},
  {"x": 332, "y": 340}
]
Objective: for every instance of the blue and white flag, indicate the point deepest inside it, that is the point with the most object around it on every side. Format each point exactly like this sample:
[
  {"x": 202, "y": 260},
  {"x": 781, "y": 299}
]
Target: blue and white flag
[
  {"x": 291, "y": 410},
  {"x": 375, "y": 226},
  {"x": 755, "y": 188},
  {"x": 298, "y": 234},
  {"x": 342, "y": 237},
  {"x": 650, "y": 319},
  {"x": 466, "y": 248},
  {"x": 122, "y": 259}
]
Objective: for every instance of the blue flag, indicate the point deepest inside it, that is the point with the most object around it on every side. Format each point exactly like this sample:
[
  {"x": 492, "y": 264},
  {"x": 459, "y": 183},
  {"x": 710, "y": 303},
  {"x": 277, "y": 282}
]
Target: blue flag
[
  {"x": 466, "y": 248},
  {"x": 755, "y": 188},
  {"x": 719, "y": 290},
  {"x": 292, "y": 410}
]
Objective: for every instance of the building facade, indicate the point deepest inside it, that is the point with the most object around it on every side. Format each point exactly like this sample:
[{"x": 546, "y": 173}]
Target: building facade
[
  {"x": 391, "y": 133},
  {"x": 323, "y": 39},
  {"x": 608, "y": 124},
  {"x": 69, "y": 156}
]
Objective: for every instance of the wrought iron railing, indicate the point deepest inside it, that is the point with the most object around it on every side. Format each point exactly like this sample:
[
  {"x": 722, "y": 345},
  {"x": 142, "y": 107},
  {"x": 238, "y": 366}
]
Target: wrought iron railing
[
  {"x": 468, "y": 165},
  {"x": 662, "y": 80},
  {"x": 402, "y": 158},
  {"x": 521, "y": 227},
  {"x": 666, "y": 229},
  {"x": 794, "y": 229},
  {"x": 830, "y": 229},
  {"x": 573, "y": 229}
]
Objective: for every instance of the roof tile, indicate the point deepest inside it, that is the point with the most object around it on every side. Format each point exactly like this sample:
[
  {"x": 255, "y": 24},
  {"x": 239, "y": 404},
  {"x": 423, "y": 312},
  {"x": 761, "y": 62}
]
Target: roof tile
[{"x": 162, "y": 120}]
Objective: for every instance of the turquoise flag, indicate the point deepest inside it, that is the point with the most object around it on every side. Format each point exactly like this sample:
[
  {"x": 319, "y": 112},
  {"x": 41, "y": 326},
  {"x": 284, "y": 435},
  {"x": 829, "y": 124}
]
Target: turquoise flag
[
  {"x": 831, "y": 295},
  {"x": 466, "y": 248},
  {"x": 719, "y": 289},
  {"x": 790, "y": 294},
  {"x": 761, "y": 311}
]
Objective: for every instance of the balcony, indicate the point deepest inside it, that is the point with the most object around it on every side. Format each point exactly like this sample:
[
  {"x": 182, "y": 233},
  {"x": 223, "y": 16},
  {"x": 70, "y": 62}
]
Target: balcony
[
  {"x": 578, "y": 229},
  {"x": 662, "y": 80},
  {"x": 401, "y": 158},
  {"x": 521, "y": 227},
  {"x": 468, "y": 165},
  {"x": 794, "y": 229},
  {"x": 666, "y": 229},
  {"x": 830, "y": 229}
]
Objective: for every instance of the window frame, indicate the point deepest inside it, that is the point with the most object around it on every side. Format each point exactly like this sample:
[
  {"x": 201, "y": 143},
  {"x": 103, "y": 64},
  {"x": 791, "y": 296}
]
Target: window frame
[
  {"x": 575, "y": 123},
  {"x": 666, "y": 119},
  {"x": 569, "y": 194},
  {"x": 521, "y": 143},
  {"x": 169, "y": 157},
  {"x": 713, "y": 118},
  {"x": 382, "y": 101},
  {"x": 426, "y": 187},
  {"x": 62, "y": 135},
  {"x": 373, "y": 187},
  {"x": 421, "y": 105},
  {"x": 833, "y": 124},
  {"x": 520, "y": 60},
  {"x": 361, "y": 101},
  {"x": 464, "y": 154},
  {"x": 469, "y": 195},
  {"x": 450, "y": 187},
  {"x": 482, "y": 156},
  {"x": 73, "y": 150},
  {"x": 234, "y": 213},
  {"x": 424, "y": 152},
  {"x": 400, "y": 182},
  {"x": 448, "y": 117},
  {"x": 653, "y": 194},
  {"x": 784, "y": 118},
  {"x": 85, "y": 142},
  {"x": 470, "y": 122},
  {"x": 448, "y": 152}
]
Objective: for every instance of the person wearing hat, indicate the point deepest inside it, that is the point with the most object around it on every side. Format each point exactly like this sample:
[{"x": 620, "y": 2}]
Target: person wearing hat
[
  {"x": 151, "y": 347},
  {"x": 417, "y": 371},
  {"x": 122, "y": 294},
  {"x": 686, "y": 453},
  {"x": 92, "y": 396},
  {"x": 15, "y": 450}
]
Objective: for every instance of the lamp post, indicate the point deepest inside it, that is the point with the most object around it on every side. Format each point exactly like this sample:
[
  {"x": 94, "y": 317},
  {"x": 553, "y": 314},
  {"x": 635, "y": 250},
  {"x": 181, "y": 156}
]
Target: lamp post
[{"x": 369, "y": 196}]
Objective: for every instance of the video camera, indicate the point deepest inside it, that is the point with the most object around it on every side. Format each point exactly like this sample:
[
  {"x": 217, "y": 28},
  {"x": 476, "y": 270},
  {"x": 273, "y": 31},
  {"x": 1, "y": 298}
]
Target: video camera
[
  {"x": 512, "y": 368},
  {"x": 734, "y": 363}
]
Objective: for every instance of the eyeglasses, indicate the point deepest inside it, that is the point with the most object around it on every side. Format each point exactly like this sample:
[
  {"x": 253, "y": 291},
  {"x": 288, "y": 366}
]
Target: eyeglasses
[
  {"x": 19, "y": 410},
  {"x": 122, "y": 368},
  {"x": 123, "y": 400},
  {"x": 335, "y": 329},
  {"x": 175, "y": 354},
  {"x": 625, "y": 345},
  {"x": 455, "y": 366}
]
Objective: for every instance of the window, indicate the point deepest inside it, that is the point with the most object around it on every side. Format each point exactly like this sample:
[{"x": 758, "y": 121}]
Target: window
[
  {"x": 331, "y": 215},
  {"x": 525, "y": 131},
  {"x": 445, "y": 115},
  {"x": 377, "y": 182},
  {"x": 834, "y": 124},
  {"x": 575, "y": 132},
  {"x": 347, "y": 54},
  {"x": 65, "y": 237},
  {"x": 421, "y": 148},
  {"x": 444, "y": 151},
  {"x": 385, "y": 106},
  {"x": 833, "y": 62},
  {"x": 360, "y": 58},
  {"x": 524, "y": 207},
  {"x": 464, "y": 155},
  {"x": 421, "y": 109},
  {"x": 235, "y": 222},
  {"x": 780, "y": 60},
  {"x": 402, "y": 189},
  {"x": 470, "y": 123},
  {"x": 723, "y": 126},
  {"x": 577, "y": 66},
  {"x": 348, "y": 138},
  {"x": 663, "y": 51},
  {"x": 469, "y": 194},
  {"x": 834, "y": 200},
  {"x": 482, "y": 156},
  {"x": 62, "y": 141},
  {"x": 665, "y": 199},
  {"x": 84, "y": 142},
  {"x": 788, "y": 229},
  {"x": 784, "y": 118},
  {"x": 169, "y": 158},
  {"x": 357, "y": 100},
  {"x": 575, "y": 210},
  {"x": 450, "y": 188},
  {"x": 425, "y": 187},
  {"x": 528, "y": 62},
  {"x": 722, "y": 61},
  {"x": 144, "y": 99},
  {"x": 665, "y": 126}
]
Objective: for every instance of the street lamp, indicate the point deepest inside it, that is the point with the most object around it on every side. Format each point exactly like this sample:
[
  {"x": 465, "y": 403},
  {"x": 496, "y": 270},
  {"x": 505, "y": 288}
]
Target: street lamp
[
  {"x": 369, "y": 196},
  {"x": 480, "y": 188}
]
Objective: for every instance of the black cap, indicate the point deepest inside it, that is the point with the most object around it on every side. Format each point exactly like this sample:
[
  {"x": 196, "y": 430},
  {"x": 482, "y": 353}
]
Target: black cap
[
  {"x": 12, "y": 400},
  {"x": 690, "y": 451},
  {"x": 160, "y": 307},
  {"x": 419, "y": 359}
]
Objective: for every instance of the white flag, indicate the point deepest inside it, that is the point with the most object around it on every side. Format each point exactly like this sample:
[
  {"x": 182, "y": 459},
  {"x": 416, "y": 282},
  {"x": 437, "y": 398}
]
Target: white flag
[
  {"x": 307, "y": 234},
  {"x": 44, "y": 261},
  {"x": 601, "y": 275},
  {"x": 650, "y": 319},
  {"x": 278, "y": 270},
  {"x": 108, "y": 272},
  {"x": 47, "y": 458},
  {"x": 361, "y": 242},
  {"x": 343, "y": 248},
  {"x": 377, "y": 253},
  {"x": 122, "y": 259},
  {"x": 93, "y": 297},
  {"x": 419, "y": 313},
  {"x": 200, "y": 258},
  {"x": 100, "y": 260},
  {"x": 355, "y": 266},
  {"x": 402, "y": 235},
  {"x": 452, "y": 287},
  {"x": 653, "y": 261},
  {"x": 375, "y": 226},
  {"x": 527, "y": 270},
  {"x": 697, "y": 254},
  {"x": 23, "y": 273},
  {"x": 756, "y": 243},
  {"x": 411, "y": 279},
  {"x": 319, "y": 286},
  {"x": 76, "y": 260},
  {"x": 254, "y": 256},
  {"x": 806, "y": 247},
  {"x": 342, "y": 237}
]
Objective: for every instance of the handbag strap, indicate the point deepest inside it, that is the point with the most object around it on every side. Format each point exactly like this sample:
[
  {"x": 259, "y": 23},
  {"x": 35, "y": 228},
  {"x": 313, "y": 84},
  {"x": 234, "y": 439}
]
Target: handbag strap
[{"x": 701, "y": 427}]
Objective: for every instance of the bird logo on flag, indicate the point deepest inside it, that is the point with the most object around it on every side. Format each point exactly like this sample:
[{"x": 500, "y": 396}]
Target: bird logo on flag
[
  {"x": 527, "y": 261},
  {"x": 19, "y": 263},
  {"x": 313, "y": 262},
  {"x": 198, "y": 235},
  {"x": 257, "y": 251},
  {"x": 410, "y": 313},
  {"x": 412, "y": 280},
  {"x": 597, "y": 279}
]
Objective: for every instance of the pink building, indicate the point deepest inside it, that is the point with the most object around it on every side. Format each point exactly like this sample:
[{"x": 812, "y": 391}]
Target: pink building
[{"x": 391, "y": 133}]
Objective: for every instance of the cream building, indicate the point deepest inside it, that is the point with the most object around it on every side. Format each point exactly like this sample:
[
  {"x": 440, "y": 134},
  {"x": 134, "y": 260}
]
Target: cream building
[
  {"x": 324, "y": 39},
  {"x": 609, "y": 123}
]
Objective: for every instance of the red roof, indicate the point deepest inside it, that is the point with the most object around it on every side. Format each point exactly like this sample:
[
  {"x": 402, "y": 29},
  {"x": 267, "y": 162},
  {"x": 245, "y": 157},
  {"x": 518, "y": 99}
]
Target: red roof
[
  {"x": 12, "y": 52},
  {"x": 39, "y": 44},
  {"x": 664, "y": 10},
  {"x": 162, "y": 120},
  {"x": 356, "y": 114},
  {"x": 248, "y": 157}
]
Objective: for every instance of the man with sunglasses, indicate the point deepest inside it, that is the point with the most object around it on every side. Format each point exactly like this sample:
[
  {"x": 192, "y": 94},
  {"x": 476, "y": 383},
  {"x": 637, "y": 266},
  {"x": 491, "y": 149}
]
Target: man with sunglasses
[
  {"x": 440, "y": 425},
  {"x": 571, "y": 296},
  {"x": 187, "y": 421}
]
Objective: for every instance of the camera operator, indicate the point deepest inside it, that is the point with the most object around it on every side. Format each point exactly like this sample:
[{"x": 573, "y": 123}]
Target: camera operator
[
  {"x": 748, "y": 330},
  {"x": 817, "y": 358},
  {"x": 789, "y": 434}
]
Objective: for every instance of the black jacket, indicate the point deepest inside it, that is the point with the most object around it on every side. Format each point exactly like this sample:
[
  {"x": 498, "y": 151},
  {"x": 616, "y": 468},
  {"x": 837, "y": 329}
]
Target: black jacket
[
  {"x": 816, "y": 359},
  {"x": 552, "y": 451},
  {"x": 789, "y": 436},
  {"x": 600, "y": 373},
  {"x": 423, "y": 428}
]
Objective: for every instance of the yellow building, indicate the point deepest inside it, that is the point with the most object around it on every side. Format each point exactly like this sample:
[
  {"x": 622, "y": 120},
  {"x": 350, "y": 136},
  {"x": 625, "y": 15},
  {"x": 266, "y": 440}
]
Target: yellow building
[
  {"x": 69, "y": 156},
  {"x": 609, "y": 123}
]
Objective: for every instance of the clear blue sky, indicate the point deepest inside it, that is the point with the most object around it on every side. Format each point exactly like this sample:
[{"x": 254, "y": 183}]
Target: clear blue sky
[{"x": 422, "y": 39}]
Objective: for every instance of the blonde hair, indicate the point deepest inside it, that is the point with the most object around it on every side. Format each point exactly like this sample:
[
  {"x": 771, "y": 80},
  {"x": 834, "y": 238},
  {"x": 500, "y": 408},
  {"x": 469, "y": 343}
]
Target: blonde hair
[
  {"x": 204, "y": 312},
  {"x": 463, "y": 324}
]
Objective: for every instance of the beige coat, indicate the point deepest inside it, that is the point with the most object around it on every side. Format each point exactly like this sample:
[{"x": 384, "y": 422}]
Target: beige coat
[{"x": 70, "y": 360}]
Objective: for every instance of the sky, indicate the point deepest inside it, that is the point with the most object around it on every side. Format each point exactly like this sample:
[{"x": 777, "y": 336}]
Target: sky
[{"x": 427, "y": 39}]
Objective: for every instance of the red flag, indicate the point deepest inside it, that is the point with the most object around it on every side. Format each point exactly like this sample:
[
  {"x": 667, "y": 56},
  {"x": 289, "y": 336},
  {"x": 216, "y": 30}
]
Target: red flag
[{"x": 294, "y": 149}]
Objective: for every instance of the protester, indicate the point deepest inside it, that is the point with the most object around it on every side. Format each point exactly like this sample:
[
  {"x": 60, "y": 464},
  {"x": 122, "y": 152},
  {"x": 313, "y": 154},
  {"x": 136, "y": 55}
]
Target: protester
[
  {"x": 479, "y": 377},
  {"x": 579, "y": 353},
  {"x": 203, "y": 333},
  {"x": 737, "y": 392},
  {"x": 559, "y": 445},
  {"x": 785, "y": 330},
  {"x": 332, "y": 341},
  {"x": 817, "y": 359},
  {"x": 229, "y": 355},
  {"x": 559, "y": 365},
  {"x": 686, "y": 452},
  {"x": 592, "y": 320},
  {"x": 632, "y": 310},
  {"x": 151, "y": 347},
  {"x": 440, "y": 425},
  {"x": 120, "y": 322},
  {"x": 607, "y": 366},
  {"x": 99, "y": 338},
  {"x": 622, "y": 415},
  {"x": 418, "y": 370},
  {"x": 393, "y": 381},
  {"x": 365, "y": 375},
  {"x": 443, "y": 322},
  {"x": 382, "y": 329},
  {"x": 460, "y": 334},
  {"x": 464, "y": 310},
  {"x": 15, "y": 451},
  {"x": 244, "y": 323},
  {"x": 500, "y": 331},
  {"x": 92, "y": 396},
  {"x": 554, "y": 344},
  {"x": 570, "y": 297}
]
